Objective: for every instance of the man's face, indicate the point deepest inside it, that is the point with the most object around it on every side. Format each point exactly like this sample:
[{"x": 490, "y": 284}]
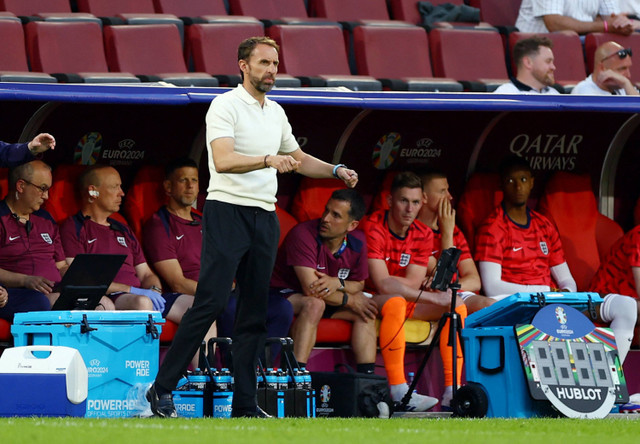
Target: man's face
[
  {"x": 517, "y": 186},
  {"x": 261, "y": 68},
  {"x": 434, "y": 191},
  {"x": 335, "y": 221},
  {"x": 110, "y": 190},
  {"x": 542, "y": 66},
  {"x": 183, "y": 186},
  {"x": 621, "y": 66},
  {"x": 404, "y": 205},
  {"x": 33, "y": 195}
]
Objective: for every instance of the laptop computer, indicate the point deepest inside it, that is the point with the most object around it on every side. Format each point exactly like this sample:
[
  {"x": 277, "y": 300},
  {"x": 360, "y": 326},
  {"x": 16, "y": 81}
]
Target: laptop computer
[{"x": 87, "y": 280}]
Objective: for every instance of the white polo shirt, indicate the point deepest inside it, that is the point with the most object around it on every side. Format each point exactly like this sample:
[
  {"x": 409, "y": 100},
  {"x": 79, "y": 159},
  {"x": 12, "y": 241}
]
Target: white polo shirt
[
  {"x": 588, "y": 87},
  {"x": 532, "y": 11},
  {"x": 257, "y": 131}
]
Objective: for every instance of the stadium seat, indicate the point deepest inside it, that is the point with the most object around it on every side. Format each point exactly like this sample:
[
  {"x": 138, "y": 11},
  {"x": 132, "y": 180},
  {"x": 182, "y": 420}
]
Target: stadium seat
[
  {"x": 190, "y": 8},
  {"x": 498, "y": 12},
  {"x": 380, "y": 201},
  {"x": 474, "y": 57},
  {"x": 71, "y": 52},
  {"x": 13, "y": 55},
  {"x": 350, "y": 10},
  {"x": 4, "y": 182},
  {"x": 568, "y": 201},
  {"x": 278, "y": 10},
  {"x": 5, "y": 332},
  {"x": 209, "y": 48},
  {"x": 312, "y": 196},
  {"x": 151, "y": 52},
  {"x": 63, "y": 198},
  {"x": 26, "y": 8},
  {"x": 595, "y": 39},
  {"x": 407, "y": 10},
  {"x": 144, "y": 197},
  {"x": 481, "y": 195},
  {"x": 377, "y": 55},
  {"x": 317, "y": 55},
  {"x": 568, "y": 56},
  {"x": 287, "y": 222}
]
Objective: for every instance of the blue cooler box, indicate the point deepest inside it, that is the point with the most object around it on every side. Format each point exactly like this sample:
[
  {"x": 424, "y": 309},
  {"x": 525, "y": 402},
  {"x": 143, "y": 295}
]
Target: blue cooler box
[
  {"x": 43, "y": 380},
  {"x": 492, "y": 354},
  {"x": 120, "y": 349}
]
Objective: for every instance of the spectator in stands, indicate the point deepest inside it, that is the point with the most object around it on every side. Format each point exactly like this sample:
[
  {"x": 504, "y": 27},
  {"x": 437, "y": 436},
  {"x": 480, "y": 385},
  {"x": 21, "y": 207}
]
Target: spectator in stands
[
  {"x": 13, "y": 154},
  {"x": 249, "y": 140},
  {"x": 611, "y": 73},
  {"x": 519, "y": 250},
  {"x": 399, "y": 248},
  {"x": 31, "y": 254},
  {"x": 321, "y": 268},
  {"x": 92, "y": 230},
  {"x": 438, "y": 214},
  {"x": 534, "y": 63},
  {"x": 581, "y": 16}
]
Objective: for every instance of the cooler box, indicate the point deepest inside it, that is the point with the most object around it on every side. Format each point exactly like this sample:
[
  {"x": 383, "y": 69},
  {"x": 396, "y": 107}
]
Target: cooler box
[
  {"x": 120, "y": 349},
  {"x": 43, "y": 381},
  {"x": 492, "y": 354}
]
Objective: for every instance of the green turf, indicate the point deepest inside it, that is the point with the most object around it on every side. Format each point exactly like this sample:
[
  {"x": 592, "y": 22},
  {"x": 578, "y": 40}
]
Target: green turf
[{"x": 310, "y": 431}]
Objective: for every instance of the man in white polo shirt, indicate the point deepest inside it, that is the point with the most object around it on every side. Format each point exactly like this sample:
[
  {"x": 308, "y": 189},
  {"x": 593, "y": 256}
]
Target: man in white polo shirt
[{"x": 249, "y": 140}]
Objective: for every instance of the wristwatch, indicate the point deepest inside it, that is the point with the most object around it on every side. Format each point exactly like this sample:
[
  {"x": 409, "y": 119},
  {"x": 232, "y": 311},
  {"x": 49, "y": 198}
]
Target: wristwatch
[
  {"x": 156, "y": 289},
  {"x": 341, "y": 284}
]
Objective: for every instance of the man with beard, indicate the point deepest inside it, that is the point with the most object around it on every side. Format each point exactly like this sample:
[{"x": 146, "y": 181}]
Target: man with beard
[
  {"x": 534, "y": 62},
  {"x": 249, "y": 140},
  {"x": 328, "y": 253},
  {"x": 611, "y": 73}
]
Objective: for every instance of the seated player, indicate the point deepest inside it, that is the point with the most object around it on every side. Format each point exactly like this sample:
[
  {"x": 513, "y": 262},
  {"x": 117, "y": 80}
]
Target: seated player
[
  {"x": 519, "y": 250},
  {"x": 399, "y": 250},
  {"x": 321, "y": 268}
]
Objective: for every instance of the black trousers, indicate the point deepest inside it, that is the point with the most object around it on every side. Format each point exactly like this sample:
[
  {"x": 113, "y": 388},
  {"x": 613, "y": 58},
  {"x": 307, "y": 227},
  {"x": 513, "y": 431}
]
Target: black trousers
[{"x": 237, "y": 242}]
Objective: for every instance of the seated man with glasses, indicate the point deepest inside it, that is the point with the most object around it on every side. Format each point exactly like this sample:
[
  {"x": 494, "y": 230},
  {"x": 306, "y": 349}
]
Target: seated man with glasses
[
  {"x": 31, "y": 256},
  {"x": 611, "y": 73}
]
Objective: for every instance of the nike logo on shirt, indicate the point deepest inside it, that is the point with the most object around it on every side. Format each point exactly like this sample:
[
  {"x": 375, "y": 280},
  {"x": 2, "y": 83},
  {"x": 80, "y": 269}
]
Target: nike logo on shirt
[
  {"x": 517, "y": 249},
  {"x": 12, "y": 238},
  {"x": 92, "y": 240},
  {"x": 180, "y": 237}
]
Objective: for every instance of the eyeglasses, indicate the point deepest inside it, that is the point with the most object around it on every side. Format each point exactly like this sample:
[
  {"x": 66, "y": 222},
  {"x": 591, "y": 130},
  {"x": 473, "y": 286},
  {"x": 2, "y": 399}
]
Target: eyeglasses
[
  {"x": 623, "y": 53},
  {"x": 42, "y": 188}
]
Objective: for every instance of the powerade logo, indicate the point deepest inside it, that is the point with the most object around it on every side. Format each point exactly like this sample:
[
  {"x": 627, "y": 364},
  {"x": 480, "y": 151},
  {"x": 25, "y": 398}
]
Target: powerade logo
[
  {"x": 95, "y": 369},
  {"x": 111, "y": 404},
  {"x": 142, "y": 368},
  {"x": 185, "y": 408}
]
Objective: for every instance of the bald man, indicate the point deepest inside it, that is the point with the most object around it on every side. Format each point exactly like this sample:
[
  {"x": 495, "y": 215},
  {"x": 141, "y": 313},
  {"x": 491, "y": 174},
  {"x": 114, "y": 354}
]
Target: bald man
[{"x": 611, "y": 73}]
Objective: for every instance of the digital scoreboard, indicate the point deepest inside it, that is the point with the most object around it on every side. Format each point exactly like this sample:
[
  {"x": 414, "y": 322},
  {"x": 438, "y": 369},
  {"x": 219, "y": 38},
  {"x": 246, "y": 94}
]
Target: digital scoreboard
[{"x": 571, "y": 363}]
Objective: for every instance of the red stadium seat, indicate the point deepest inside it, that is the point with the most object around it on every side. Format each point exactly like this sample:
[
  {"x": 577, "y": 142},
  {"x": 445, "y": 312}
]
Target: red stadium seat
[
  {"x": 55, "y": 48},
  {"x": 407, "y": 10},
  {"x": 287, "y": 222},
  {"x": 595, "y": 39},
  {"x": 209, "y": 48},
  {"x": 34, "y": 7},
  {"x": 13, "y": 56},
  {"x": 568, "y": 201},
  {"x": 169, "y": 329},
  {"x": 334, "y": 331},
  {"x": 568, "y": 55},
  {"x": 190, "y": 8},
  {"x": 63, "y": 198},
  {"x": 5, "y": 332},
  {"x": 497, "y": 12},
  {"x": 4, "y": 182},
  {"x": 153, "y": 52},
  {"x": 377, "y": 55},
  {"x": 350, "y": 10},
  {"x": 269, "y": 9},
  {"x": 481, "y": 195},
  {"x": 317, "y": 55},
  {"x": 312, "y": 196},
  {"x": 380, "y": 202},
  {"x": 110, "y": 8},
  {"x": 469, "y": 56},
  {"x": 144, "y": 197}
]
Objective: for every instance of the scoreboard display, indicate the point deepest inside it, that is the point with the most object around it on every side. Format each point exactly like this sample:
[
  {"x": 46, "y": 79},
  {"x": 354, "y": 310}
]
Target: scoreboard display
[{"x": 571, "y": 363}]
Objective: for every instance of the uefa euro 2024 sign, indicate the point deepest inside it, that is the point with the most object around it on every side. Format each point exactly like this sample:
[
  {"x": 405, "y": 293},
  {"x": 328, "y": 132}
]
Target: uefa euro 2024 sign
[{"x": 571, "y": 363}]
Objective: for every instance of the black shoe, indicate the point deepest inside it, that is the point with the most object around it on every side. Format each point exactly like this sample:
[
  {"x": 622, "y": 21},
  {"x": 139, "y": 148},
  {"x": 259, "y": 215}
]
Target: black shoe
[
  {"x": 257, "y": 413},
  {"x": 161, "y": 406}
]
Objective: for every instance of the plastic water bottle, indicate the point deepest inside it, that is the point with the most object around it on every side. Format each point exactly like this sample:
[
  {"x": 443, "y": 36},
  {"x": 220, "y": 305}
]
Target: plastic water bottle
[{"x": 410, "y": 377}]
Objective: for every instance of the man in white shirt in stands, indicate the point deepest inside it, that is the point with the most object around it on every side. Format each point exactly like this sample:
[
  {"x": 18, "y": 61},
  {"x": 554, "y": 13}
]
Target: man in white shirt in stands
[
  {"x": 611, "y": 73},
  {"x": 581, "y": 16},
  {"x": 534, "y": 61}
]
